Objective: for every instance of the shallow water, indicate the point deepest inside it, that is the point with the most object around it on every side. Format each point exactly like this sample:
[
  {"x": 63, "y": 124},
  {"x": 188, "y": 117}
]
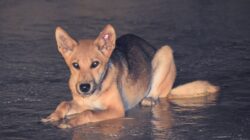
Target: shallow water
[{"x": 211, "y": 41}]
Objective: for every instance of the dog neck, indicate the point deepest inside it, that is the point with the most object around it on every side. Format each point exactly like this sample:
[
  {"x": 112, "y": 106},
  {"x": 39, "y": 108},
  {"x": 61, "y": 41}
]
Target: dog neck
[{"x": 104, "y": 76}]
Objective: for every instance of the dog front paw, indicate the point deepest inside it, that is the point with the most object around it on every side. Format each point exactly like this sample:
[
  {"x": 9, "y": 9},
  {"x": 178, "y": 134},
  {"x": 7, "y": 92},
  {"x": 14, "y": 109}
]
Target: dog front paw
[
  {"x": 45, "y": 120},
  {"x": 149, "y": 101},
  {"x": 64, "y": 126},
  {"x": 50, "y": 119}
]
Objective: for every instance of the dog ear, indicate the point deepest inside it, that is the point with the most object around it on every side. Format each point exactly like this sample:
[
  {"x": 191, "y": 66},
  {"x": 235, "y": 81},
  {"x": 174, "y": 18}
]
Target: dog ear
[
  {"x": 106, "y": 40},
  {"x": 65, "y": 43}
]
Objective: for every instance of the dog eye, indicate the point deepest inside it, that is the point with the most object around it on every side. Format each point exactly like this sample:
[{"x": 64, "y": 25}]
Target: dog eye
[
  {"x": 76, "y": 65},
  {"x": 94, "y": 64}
]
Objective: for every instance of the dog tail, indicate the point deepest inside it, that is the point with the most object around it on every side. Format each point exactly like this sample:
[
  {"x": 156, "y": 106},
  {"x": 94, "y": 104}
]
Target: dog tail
[{"x": 193, "y": 89}]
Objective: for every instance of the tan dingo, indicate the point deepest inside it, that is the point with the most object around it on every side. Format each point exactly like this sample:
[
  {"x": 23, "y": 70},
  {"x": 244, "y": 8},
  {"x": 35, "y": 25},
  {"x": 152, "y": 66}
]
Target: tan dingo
[{"x": 110, "y": 76}]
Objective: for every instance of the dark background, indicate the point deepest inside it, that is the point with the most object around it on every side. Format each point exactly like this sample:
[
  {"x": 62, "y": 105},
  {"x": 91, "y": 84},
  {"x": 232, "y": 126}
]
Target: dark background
[{"x": 210, "y": 39}]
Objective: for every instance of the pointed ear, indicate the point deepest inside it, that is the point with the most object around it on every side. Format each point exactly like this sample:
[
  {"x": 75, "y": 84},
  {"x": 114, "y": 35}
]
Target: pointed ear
[
  {"x": 65, "y": 43},
  {"x": 106, "y": 40}
]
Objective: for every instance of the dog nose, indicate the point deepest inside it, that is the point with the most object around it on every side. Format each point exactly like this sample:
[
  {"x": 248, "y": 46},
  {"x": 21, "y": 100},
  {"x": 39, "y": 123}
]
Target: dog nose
[{"x": 85, "y": 87}]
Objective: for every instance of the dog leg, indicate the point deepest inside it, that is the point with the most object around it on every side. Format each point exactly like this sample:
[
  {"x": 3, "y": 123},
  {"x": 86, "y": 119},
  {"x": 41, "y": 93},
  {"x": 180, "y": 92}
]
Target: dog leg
[
  {"x": 60, "y": 113},
  {"x": 64, "y": 110},
  {"x": 91, "y": 116},
  {"x": 163, "y": 76}
]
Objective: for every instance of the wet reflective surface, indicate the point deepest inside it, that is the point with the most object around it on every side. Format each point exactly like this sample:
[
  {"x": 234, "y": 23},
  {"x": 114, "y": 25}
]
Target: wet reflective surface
[{"x": 211, "y": 41}]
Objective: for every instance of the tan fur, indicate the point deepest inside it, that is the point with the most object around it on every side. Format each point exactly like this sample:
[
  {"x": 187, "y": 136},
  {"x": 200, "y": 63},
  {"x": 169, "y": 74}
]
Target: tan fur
[
  {"x": 113, "y": 86},
  {"x": 193, "y": 89}
]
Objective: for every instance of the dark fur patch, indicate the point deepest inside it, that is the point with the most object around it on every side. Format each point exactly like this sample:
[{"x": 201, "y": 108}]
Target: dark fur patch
[{"x": 136, "y": 53}]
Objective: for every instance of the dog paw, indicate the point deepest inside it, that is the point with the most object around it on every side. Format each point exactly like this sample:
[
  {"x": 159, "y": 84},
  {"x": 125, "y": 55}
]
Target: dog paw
[
  {"x": 50, "y": 119},
  {"x": 148, "y": 101},
  {"x": 45, "y": 120},
  {"x": 64, "y": 126}
]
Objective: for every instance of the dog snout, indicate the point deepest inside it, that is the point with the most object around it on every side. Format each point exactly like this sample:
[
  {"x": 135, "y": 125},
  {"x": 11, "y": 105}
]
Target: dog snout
[{"x": 85, "y": 87}]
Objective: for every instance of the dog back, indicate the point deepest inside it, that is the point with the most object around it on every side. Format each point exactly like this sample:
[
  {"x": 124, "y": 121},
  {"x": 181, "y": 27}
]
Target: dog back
[{"x": 135, "y": 54}]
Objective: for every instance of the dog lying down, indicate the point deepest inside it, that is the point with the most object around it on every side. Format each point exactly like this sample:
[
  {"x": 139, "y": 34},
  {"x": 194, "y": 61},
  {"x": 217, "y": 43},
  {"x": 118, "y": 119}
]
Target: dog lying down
[{"x": 110, "y": 76}]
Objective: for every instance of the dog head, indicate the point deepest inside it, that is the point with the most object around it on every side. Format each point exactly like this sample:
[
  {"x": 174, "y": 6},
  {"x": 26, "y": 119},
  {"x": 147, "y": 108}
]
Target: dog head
[{"x": 87, "y": 60}]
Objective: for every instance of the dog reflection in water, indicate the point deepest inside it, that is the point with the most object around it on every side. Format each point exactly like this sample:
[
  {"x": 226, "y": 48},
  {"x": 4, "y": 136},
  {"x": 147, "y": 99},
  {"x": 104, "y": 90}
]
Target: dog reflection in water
[{"x": 156, "y": 121}]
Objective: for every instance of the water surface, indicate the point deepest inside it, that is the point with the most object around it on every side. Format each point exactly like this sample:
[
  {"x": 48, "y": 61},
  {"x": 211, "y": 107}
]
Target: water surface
[{"x": 211, "y": 41}]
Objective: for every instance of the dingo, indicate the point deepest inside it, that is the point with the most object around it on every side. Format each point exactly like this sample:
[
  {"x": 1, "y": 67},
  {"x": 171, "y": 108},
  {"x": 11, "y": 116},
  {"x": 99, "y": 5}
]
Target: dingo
[{"x": 110, "y": 76}]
